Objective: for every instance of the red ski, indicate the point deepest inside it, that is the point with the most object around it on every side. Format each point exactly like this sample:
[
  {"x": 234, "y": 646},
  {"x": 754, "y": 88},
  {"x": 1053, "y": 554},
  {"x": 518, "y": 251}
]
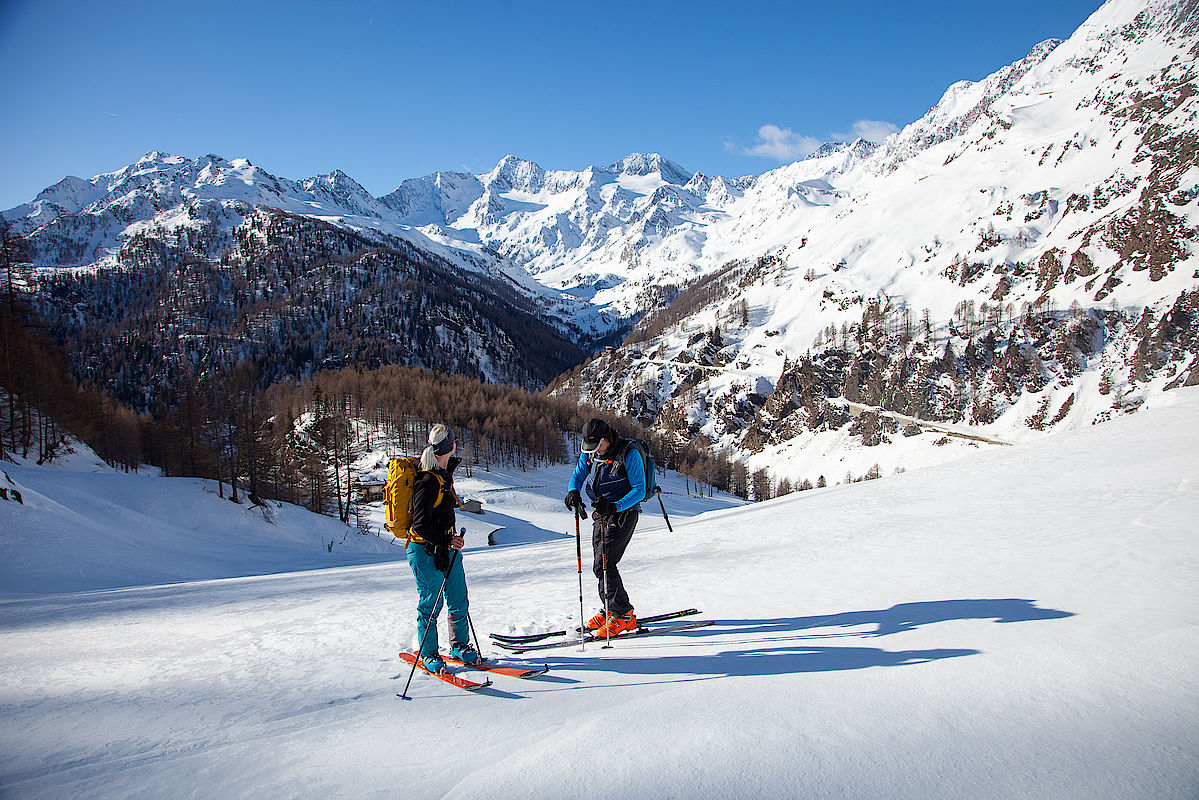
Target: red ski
[
  {"x": 452, "y": 680},
  {"x": 486, "y": 665}
]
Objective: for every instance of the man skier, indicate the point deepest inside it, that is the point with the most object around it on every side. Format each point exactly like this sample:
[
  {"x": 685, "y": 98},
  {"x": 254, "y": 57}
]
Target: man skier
[{"x": 613, "y": 474}]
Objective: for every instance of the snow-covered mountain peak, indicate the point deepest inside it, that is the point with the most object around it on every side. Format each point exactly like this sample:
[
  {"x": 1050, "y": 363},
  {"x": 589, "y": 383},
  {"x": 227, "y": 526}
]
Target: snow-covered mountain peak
[
  {"x": 858, "y": 148},
  {"x": 217, "y": 171},
  {"x": 341, "y": 191},
  {"x": 434, "y": 199},
  {"x": 960, "y": 107},
  {"x": 154, "y": 159},
  {"x": 834, "y": 158},
  {"x": 335, "y": 180},
  {"x": 515, "y": 174},
  {"x": 646, "y": 164},
  {"x": 70, "y": 194},
  {"x": 1124, "y": 16}
]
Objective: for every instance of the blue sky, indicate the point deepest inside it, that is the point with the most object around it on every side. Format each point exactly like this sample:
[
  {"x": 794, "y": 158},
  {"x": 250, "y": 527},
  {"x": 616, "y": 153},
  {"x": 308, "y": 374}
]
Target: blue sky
[{"x": 390, "y": 90}]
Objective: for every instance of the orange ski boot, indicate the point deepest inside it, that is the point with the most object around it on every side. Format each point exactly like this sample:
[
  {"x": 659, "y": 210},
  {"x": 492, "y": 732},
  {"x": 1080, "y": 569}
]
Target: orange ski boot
[
  {"x": 597, "y": 622},
  {"x": 617, "y": 625}
]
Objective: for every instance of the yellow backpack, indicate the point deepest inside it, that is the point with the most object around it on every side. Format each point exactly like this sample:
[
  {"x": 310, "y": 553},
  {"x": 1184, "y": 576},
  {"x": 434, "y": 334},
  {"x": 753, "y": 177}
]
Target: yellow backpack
[{"x": 397, "y": 497}]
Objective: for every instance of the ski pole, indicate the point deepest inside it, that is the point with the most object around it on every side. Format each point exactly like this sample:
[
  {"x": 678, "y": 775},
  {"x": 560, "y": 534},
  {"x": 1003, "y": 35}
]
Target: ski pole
[
  {"x": 658, "y": 492},
  {"x": 475, "y": 635},
  {"x": 429, "y": 624},
  {"x": 603, "y": 521},
  {"x": 579, "y": 552},
  {"x": 470, "y": 621}
]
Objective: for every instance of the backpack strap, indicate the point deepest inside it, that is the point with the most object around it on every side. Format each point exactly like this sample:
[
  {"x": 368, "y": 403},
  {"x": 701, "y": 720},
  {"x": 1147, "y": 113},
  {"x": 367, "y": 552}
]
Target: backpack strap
[
  {"x": 618, "y": 458},
  {"x": 440, "y": 488},
  {"x": 629, "y": 446},
  {"x": 412, "y": 535}
]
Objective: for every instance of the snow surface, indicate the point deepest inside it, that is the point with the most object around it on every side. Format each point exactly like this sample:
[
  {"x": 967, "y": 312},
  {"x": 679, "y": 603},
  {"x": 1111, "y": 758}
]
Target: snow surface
[
  {"x": 85, "y": 527},
  {"x": 1018, "y": 623}
]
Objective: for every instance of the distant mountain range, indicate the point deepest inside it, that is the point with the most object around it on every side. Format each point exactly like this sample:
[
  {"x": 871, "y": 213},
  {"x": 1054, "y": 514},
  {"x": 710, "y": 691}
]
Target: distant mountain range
[{"x": 1021, "y": 258}]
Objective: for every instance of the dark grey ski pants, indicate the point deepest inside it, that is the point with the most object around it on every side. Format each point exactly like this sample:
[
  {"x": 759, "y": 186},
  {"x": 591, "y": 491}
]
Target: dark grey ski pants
[{"x": 619, "y": 532}]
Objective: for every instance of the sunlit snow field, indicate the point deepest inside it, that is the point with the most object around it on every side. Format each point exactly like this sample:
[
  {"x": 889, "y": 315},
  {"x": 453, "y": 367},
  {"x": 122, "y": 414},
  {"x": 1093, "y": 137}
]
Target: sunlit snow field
[{"x": 1018, "y": 623}]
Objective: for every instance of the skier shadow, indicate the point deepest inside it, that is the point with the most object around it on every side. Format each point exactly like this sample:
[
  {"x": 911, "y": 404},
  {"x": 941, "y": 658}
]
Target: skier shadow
[
  {"x": 539, "y": 681},
  {"x": 765, "y": 661},
  {"x": 903, "y": 617},
  {"x": 789, "y": 656}
]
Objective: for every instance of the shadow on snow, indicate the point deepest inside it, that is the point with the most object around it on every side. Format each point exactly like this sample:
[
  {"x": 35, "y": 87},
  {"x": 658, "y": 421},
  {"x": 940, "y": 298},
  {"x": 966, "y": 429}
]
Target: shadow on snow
[
  {"x": 763, "y": 659},
  {"x": 908, "y": 616}
]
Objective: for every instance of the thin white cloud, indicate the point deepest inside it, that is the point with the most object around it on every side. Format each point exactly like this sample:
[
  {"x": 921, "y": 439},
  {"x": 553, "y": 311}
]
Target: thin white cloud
[
  {"x": 872, "y": 130},
  {"x": 784, "y": 144},
  {"x": 781, "y": 144}
]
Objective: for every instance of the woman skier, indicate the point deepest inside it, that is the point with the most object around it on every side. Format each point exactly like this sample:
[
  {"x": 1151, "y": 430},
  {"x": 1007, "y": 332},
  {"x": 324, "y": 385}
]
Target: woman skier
[{"x": 434, "y": 552}]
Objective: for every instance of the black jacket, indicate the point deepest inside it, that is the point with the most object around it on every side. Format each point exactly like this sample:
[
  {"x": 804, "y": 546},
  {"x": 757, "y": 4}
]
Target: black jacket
[{"x": 434, "y": 522}]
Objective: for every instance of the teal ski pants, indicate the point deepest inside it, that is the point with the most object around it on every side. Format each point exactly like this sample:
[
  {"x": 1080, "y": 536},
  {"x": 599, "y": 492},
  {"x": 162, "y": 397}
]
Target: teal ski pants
[{"x": 428, "y": 584}]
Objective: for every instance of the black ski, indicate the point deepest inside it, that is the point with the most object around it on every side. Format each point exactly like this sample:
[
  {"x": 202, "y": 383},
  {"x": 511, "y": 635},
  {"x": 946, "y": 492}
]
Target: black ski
[
  {"x": 537, "y": 637},
  {"x": 589, "y": 638}
]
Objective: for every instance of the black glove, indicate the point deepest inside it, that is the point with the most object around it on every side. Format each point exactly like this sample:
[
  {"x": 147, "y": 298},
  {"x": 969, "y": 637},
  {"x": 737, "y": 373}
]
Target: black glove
[
  {"x": 605, "y": 508},
  {"x": 441, "y": 555},
  {"x": 441, "y": 558},
  {"x": 573, "y": 500}
]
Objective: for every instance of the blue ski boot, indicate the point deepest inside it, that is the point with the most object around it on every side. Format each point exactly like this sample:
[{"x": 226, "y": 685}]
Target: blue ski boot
[
  {"x": 433, "y": 663},
  {"x": 466, "y": 653}
]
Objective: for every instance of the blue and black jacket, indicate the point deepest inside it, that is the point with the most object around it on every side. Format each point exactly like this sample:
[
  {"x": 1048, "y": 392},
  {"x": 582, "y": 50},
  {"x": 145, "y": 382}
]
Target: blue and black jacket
[{"x": 618, "y": 476}]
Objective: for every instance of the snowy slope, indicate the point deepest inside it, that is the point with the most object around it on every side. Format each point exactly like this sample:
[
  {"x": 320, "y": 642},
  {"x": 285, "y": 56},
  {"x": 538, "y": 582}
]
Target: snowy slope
[
  {"x": 1017, "y": 624},
  {"x": 1060, "y": 188},
  {"x": 82, "y": 526}
]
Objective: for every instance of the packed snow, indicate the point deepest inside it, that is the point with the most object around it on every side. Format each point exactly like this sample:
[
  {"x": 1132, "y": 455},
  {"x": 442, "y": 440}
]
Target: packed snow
[{"x": 1018, "y": 623}]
